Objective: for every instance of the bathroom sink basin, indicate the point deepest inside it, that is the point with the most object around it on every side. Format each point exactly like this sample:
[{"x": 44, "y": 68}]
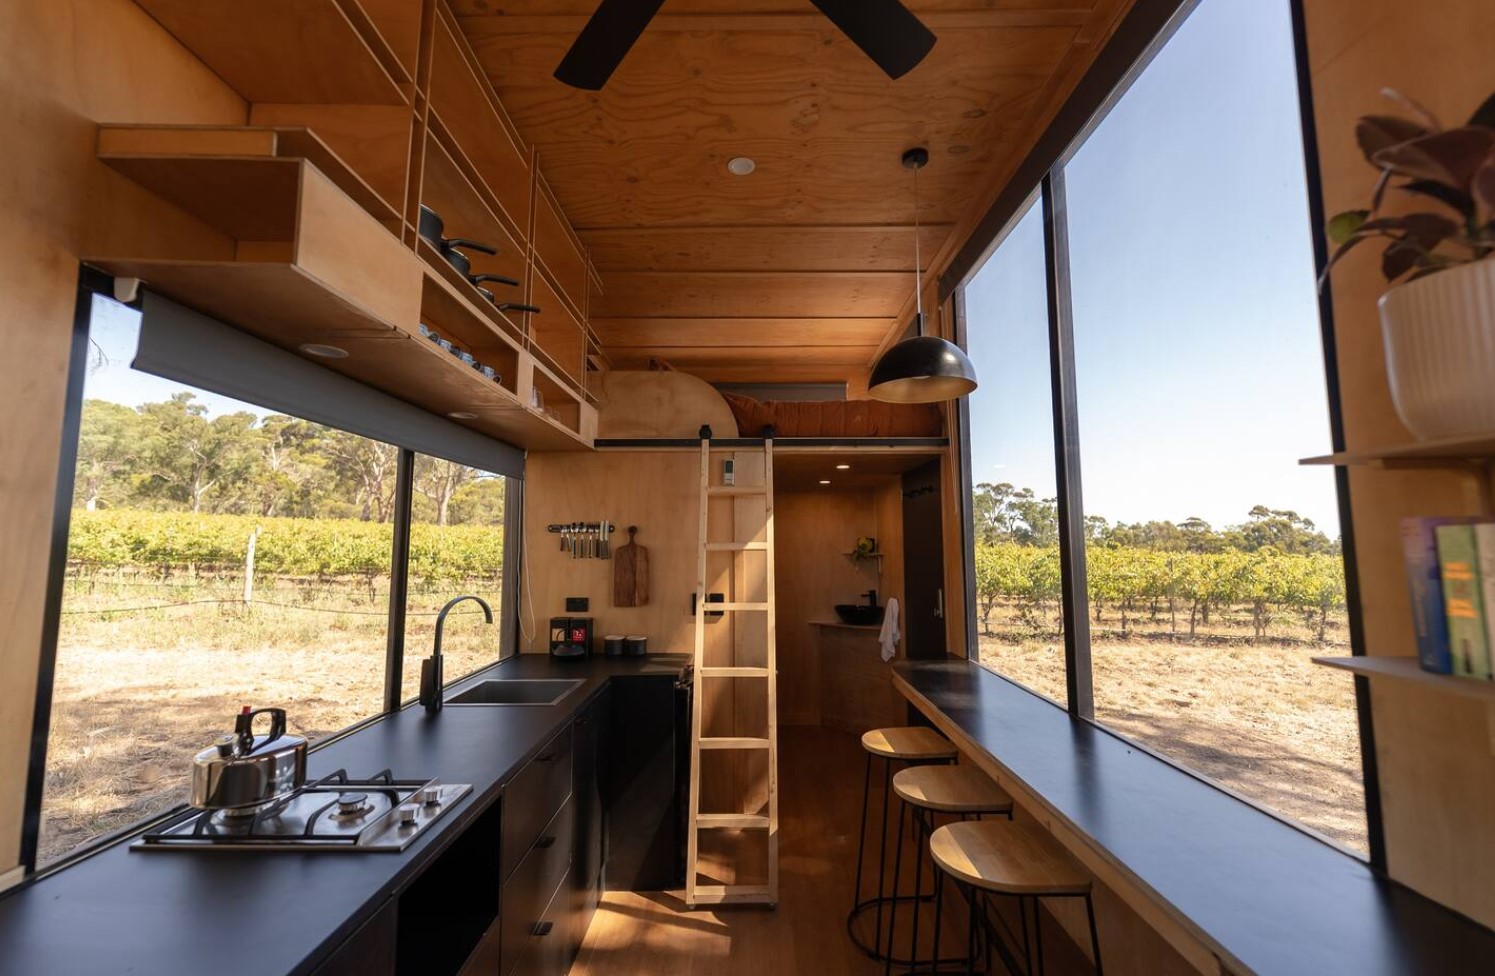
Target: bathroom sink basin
[
  {"x": 859, "y": 615},
  {"x": 517, "y": 691}
]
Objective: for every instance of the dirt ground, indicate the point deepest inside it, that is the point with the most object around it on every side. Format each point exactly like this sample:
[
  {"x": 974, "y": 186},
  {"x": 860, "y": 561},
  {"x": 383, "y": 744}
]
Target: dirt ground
[{"x": 1261, "y": 720}]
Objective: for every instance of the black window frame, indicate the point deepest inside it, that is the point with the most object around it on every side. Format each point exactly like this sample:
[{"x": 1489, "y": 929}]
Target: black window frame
[
  {"x": 1147, "y": 27},
  {"x": 92, "y": 282}
]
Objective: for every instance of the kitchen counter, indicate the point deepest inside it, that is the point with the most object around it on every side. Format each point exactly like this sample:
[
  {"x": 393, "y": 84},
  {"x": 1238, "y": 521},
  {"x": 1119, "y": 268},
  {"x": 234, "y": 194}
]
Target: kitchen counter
[
  {"x": 1264, "y": 896},
  {"x": 262, "y": 913},
  {"x": 871, "y": 628}
]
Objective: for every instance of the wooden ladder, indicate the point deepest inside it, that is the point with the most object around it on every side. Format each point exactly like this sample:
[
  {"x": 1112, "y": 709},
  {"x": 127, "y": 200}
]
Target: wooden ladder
[{"x": 697, "y": 894}]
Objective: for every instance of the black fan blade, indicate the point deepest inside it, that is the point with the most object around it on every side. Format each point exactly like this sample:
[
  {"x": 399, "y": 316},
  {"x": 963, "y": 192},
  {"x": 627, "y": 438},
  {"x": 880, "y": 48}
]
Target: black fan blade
[
  {"x": 884, "y": 29},
  {"x": 603, "y": 43}
]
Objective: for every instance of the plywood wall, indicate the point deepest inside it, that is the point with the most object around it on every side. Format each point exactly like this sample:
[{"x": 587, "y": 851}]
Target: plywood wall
[
  {"x": 815, "y": 531},
  {"x": 1435, "y": 753},
  {"x": 65, "y": 65}
]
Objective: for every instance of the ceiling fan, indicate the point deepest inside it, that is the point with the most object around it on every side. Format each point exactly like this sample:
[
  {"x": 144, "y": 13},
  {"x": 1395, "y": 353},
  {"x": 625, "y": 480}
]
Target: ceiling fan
[{"x": 884, "y": 29}]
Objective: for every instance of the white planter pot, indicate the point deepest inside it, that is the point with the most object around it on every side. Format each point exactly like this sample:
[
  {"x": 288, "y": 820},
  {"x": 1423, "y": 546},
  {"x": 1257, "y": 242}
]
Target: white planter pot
[{"x": 1440, "y": 351}]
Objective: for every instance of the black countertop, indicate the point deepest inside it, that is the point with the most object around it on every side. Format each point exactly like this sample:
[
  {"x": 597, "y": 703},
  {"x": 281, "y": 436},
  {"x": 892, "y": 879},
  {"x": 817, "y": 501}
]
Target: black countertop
[
  {"x": 1267, "y": 897},
  {"x": 262, "y": 912}
]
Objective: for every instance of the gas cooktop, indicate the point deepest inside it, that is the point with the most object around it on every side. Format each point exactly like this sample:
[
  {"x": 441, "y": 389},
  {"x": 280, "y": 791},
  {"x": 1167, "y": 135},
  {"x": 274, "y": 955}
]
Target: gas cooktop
[{"x": 335, "y": 813}]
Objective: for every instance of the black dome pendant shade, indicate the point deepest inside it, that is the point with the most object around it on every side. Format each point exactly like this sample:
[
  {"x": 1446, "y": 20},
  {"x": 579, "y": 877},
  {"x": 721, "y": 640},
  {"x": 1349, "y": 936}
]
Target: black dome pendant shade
[{"x": 922, "y": 368}]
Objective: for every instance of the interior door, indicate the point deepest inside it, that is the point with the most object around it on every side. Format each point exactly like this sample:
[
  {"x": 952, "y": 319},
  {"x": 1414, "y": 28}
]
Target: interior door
[{"x": 923, "y": 622}]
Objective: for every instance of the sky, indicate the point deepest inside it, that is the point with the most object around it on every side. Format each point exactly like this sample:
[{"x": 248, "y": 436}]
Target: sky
[
  {"x": 113, "y": 335},
  {"x": 1199, "y": 368}
]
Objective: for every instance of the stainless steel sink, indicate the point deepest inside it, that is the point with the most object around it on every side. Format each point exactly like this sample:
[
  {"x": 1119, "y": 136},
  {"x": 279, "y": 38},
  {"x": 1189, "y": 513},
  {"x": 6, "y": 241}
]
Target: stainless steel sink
[{"x": 517, "y": 691}]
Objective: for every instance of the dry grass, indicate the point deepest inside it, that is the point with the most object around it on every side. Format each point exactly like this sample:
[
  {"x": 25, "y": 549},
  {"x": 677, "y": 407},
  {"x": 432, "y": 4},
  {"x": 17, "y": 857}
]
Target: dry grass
[{"x": 1262, "y": 720}]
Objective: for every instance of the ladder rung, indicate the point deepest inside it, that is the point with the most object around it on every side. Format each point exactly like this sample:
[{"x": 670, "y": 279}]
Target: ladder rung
[
  {"x": 734, "y": 895},
  {"x": 733, "y": 742},
  {"x": 733, "y": 672},
  {"x": 713, "y": 607},
  {"x": 737, "y": 490},
  {"x": 736, "y": 547},
  {"x": 728, "y": 821}
]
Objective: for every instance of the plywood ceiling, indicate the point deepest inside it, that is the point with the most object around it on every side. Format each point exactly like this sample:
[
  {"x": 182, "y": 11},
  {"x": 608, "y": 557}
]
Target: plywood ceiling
[{"x": 803, "y": 269}]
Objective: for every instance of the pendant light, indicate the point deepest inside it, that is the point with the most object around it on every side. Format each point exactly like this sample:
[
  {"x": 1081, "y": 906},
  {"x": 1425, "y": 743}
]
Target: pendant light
[{"x": 923, "y": 368}]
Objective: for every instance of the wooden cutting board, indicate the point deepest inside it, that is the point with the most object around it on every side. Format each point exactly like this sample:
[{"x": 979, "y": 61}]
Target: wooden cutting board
[{"x": 631, "y": 573}]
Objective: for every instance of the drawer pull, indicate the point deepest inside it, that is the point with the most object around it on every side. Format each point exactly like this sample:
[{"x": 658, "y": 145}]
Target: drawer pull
[
  {"x": 544, "y": 842},
  {"x": 543, "y": 928}
]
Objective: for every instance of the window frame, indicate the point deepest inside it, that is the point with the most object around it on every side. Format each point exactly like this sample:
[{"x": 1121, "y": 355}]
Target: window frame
[
  {"x": 1150, "y": 25},
  {"x": 93, "y": 282}
]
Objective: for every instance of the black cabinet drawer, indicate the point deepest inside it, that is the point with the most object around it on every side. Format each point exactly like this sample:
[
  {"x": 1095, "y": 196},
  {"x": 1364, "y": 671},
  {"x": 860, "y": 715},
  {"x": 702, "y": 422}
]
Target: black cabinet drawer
[
  {"x": 545, "y": 950},
  {"x": 532, "y": 798},
  {"x": 531, "y": 889}
]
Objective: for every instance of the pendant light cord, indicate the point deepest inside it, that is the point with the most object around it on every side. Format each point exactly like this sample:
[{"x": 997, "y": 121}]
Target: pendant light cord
[{"x": 918, "y": 274}]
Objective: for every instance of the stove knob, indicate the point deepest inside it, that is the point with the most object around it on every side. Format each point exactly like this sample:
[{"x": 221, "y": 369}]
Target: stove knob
[
  {"x": 408, "y": 813},
  {"x": 431, "y": 796}
]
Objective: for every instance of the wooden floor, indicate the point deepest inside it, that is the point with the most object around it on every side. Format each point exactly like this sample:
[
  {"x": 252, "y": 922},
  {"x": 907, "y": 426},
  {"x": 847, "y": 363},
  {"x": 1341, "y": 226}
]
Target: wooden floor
[{"x": 820, "y": 774}]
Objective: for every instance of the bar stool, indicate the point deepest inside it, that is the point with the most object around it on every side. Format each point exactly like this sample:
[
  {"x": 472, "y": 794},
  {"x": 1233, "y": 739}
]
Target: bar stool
[
  {"x": 1010, "y": 858},
  {"x": 961, "y": 791},
  {"x": 913, "y": 745}
]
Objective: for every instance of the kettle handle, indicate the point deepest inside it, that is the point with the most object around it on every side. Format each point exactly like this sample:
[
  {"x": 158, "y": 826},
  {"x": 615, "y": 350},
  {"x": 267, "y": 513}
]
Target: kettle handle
[{"x": 244, "y": 726}]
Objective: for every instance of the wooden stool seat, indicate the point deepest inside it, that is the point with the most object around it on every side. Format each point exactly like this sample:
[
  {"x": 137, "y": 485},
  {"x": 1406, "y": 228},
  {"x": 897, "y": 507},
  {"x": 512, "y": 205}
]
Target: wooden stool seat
[
  {"x": 951, "y": 789},
  {"x": 910, "y": 744},
  {"x": 1009, "y": 858}
]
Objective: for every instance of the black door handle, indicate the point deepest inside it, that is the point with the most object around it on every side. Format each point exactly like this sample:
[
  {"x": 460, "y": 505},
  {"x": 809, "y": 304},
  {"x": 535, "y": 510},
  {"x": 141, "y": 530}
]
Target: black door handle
[{"x": 543, "y": 928}]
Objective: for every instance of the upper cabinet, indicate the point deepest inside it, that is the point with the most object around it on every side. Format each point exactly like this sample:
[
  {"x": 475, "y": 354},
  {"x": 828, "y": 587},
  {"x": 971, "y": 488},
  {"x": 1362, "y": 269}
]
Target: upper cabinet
[{"x": 361, "y": 112}]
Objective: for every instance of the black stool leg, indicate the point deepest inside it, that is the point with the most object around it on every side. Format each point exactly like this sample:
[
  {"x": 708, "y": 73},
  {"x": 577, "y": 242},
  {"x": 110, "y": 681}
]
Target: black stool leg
[
  {"x": 1038, "y": 931},
  {"x": 971, "y": 929},
  {"x": 1022, "y": 914},
  {"x": 939, "y": 904},
  {"x": 882, "y": 857},
  {"x": 897, "y": 874},
  {"x": 856, "y": 894},
  {"x": 1094, "y": 935},
  {"x": 913, "y": 941}
]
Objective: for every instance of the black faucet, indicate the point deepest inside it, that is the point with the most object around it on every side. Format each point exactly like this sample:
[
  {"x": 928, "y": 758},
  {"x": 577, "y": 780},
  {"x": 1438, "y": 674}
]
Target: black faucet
[
  {"x": 871, "y": 596},
  {"x": 430, "y": 668}
]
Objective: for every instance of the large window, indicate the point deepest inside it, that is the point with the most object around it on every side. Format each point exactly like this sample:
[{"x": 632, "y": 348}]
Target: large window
[
  {"x": 456, "y": 547},
  {"x": 219, "y": 555},
  {"x": 1213, "y": 562},
  {"x": 1019, "y": 622}
]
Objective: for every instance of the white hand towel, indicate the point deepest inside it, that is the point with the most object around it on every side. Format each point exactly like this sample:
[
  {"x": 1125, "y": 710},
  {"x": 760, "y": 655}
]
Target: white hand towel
[{"x": 889, "y": 636}]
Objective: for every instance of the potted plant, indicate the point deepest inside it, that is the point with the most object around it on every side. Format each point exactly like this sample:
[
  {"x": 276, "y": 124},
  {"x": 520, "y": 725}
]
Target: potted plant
[{"x": 1438, "y": 318}]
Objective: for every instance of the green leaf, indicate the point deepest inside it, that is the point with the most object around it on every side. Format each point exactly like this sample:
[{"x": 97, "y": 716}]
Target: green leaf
[{"x": 1343, "y": 226}]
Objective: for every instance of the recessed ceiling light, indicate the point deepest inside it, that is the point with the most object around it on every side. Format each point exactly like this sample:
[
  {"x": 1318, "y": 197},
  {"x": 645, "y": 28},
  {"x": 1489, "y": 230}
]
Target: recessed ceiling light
[
  {"x": 325, "y": 352},
  {"x": 462, "y": 415},
  {"x": 740, "y": 166},
  {"x": 843, "y": 467},
  {"x": 824, "y": 482}
]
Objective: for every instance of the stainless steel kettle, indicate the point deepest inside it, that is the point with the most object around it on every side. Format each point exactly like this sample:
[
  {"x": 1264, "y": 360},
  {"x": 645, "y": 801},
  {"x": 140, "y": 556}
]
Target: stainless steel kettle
[{"x": 246, "y": 770}]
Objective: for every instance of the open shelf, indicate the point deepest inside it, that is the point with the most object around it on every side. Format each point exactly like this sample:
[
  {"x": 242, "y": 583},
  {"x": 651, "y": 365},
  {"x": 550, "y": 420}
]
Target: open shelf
[
  {"x": 447, "y": 190},
  {"x": 556, "y": 333},
  {"x": 467, "y": 113},
  {"x": 218, "y": 172},
  {"x": 1476, "y": 449},
  {"x": 1408, "y": 669},
  {"x": 463, "y": 300},
  {"x": 559, "y": 253},
  {"x": 325, "y": 52}
]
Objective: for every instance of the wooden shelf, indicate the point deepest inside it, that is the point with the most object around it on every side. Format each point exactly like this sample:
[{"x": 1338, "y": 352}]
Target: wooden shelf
[
  {"x": 467, "y": 113},
  {"x": 449, "y": 191},
  {"x": 1474, "y": 450},
  {"x": 218, "y": 172},
  {"x": 325, "y": 52},
  {"x": 462, "y": 295},
  {"x": 1407, "y": 669},
  {"x": 301, "y": 262}
]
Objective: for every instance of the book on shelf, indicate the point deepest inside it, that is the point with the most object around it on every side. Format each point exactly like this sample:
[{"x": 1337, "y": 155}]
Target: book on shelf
[
  {"x": 1484, "y": 541},
  {"x": 1463, "y": 600},
  {"x": 1425, "y": 584}
]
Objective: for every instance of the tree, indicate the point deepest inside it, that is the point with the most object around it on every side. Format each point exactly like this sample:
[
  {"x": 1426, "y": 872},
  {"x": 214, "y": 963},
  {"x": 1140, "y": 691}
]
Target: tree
[
  {"x": 365, "y": 470},
  {"x": 480, "y": 502},
  {"x": 186, "y": 455},
  {"x": 293, "y": 468},
  {"x": 1282, "y": 529},
  {"x": 107, "y": 437},
  {"x": 439, "y": 481}
]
